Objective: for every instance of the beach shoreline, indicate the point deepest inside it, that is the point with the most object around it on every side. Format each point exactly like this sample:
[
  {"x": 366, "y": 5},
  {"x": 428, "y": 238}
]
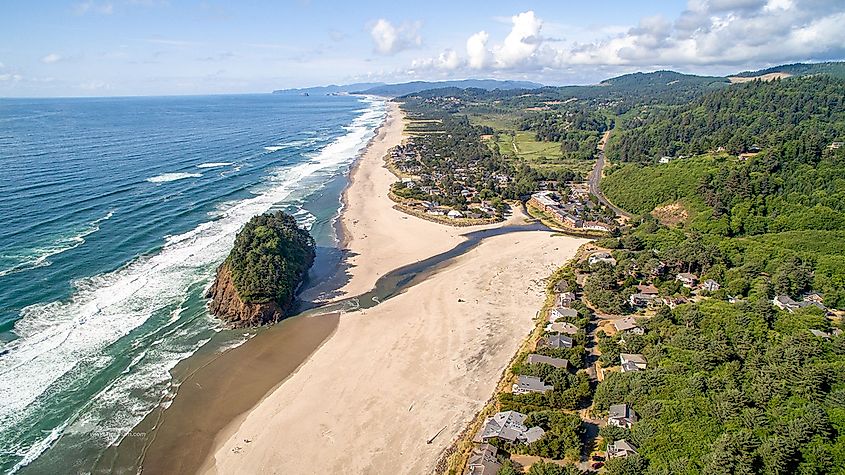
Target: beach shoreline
[{"x": 414, "y": 368}]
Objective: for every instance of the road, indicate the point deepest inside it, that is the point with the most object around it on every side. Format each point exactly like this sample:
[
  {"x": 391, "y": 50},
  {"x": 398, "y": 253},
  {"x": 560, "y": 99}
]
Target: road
[{"x": 595, "y": 177}]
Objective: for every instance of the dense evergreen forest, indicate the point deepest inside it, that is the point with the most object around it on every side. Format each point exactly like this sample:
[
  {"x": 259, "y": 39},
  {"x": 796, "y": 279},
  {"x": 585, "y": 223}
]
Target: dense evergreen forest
[{"x": 792, "y": 119}]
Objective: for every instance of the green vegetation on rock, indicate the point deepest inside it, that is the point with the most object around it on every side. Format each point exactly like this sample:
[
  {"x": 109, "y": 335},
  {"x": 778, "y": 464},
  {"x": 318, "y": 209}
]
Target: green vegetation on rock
[{"x": 270, "y": 258}]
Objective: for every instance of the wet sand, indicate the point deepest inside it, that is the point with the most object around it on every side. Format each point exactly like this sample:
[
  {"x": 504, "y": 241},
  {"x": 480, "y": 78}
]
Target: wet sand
[{"x": 227, "y": 387}]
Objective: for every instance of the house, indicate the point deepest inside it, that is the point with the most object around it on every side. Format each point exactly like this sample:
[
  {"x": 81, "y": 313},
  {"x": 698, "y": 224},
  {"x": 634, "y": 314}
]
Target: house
[
  {"x": 562, "y": 327},
  {"x": 620, "y": 448},
  {"x": 641, "y": 300},
  {"x": 508, "y": 426},
  {"x": 628, "y": 325},
  {"x": 531, "y": 384},
  {"x": 565, "y": 299},
  {"x": 621, "y": 415},
  {"x": 835, "y": 145},
  {"x": 556, "y": 341},
  {"x": 647, "y": 289},
  {"x": 632, "y": 362},
  {"x": 483, "y": 461},
  {"x": 454, "y": 214},
  {"x": 601, "y": 257},
  {"x": 665, "y": 159},
  {"x": 673, "y": 302},
  {"x": 562, "y": 286},
  {"x": 561, "y": 312},
  {"x": 559, "y": 363},
  {"x": 688, "y": 280},
  {"x": 710, "y": 285},
  {"x": 784, "y": 302},
  {"x": 819, "y": 333}
]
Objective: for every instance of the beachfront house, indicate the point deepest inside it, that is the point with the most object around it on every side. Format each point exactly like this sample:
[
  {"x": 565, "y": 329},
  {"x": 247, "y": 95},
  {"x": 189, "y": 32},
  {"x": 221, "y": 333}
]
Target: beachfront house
[
  {"x": 686, "y": 279},
  {"x": 621, "y": 415},
  {"x": 632, "y": 362},
  {"x": 562, "y": 312},
  {"x": 559, "y": 363},
  {"x": 483, "y": 461},
  {"x": 508, "y": 426},
  {"x": 565, "y": 299},
  {"x": 628, "y": 325},
  {"x": 620, "y": 448},
  {"x": 531, "y": 384},
  {"x": 555, "y": 340},
  {"x": 562, "y": 327},
  {"x": 601, "y": 257},
  {"x": 454, "y": 214}
]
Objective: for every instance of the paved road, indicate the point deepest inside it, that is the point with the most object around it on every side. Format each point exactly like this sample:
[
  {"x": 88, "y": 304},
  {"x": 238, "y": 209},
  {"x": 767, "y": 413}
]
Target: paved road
[{"x": 595, "y": 178}]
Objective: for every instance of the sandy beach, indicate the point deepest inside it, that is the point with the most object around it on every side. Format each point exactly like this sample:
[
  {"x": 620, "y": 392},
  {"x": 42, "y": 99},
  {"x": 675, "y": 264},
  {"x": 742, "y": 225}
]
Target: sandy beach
[{"x": 414, "y": 368}]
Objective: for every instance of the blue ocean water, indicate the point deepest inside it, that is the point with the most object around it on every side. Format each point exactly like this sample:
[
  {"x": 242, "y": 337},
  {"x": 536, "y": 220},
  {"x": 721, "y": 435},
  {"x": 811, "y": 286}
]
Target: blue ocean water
[{"x": 115, "y": 213}]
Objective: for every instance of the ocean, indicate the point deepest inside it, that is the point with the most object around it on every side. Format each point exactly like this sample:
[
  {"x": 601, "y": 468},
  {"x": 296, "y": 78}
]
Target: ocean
[{"x": 115, "y": 213}]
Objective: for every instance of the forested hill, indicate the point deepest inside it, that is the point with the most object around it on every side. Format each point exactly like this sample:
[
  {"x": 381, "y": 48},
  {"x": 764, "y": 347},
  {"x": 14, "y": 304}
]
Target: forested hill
[
  {"x": 619, "y": 93},
  {"x": 836, "y": 69},
  {"x": 784, "y": 198},
  {"x": 794, "y": 119}
]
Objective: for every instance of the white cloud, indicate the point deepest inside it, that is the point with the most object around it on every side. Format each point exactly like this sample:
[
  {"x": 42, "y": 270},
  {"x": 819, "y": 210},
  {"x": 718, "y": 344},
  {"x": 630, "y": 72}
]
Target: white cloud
[
  {"x": 522, "y": 41},
  {"x": 477, "y": 53},
  {"x": 709, "y": 33},
  {"x": 51, "y": 58},
  {"x": 390, "y": 39},
  {"x": 10, "y": 77}
]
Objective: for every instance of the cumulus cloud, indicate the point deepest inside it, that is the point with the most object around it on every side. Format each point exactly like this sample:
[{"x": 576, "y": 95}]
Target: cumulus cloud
[
  {"x": 707, "y": 33},
  {"x": 390, "y": 39},
  {"x": 477, "y": 54},
  {"x": 522, "y": 41},
  {"x": 51, "y": 58}
]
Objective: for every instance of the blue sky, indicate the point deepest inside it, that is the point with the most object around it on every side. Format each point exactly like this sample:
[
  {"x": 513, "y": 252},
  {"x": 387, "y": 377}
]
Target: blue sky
[{"x": 149, "y": 47}]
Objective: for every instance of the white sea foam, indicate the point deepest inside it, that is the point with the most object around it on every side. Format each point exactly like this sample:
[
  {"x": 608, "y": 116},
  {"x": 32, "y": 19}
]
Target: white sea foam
[
  {"x": 39, "y": 256},
  {"x": 214, "y": 164},
  {"x": 165, "y": 177},
  {"x": 62, "y": 340},
  {"x": 304, "y": 218},
  {"x": 275, "y": 148}
]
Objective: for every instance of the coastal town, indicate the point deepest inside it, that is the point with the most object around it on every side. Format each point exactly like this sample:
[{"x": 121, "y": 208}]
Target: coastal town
[{"x": 577, "y": 339}]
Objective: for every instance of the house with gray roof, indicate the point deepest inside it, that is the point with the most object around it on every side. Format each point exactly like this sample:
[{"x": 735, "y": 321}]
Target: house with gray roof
[
  {"x": 531, "y": 384},
  {"x": 632, "y": 362},
  {"x": 559, "y": 363},
  {"x": 620, "y": 448},
  {"x": 687, "y": 279},
  {"x": 621, "y": 415},
  {"x": 601, "y": 257},
  {"x": 556, "y": 340},
  {"x": 508, "y": 426},
  {"x": 562, "y": 327},
  {"x": 483, "y": 461},
  {"x": 562, "y": 312},
  {"x": 628, "y": 325}
]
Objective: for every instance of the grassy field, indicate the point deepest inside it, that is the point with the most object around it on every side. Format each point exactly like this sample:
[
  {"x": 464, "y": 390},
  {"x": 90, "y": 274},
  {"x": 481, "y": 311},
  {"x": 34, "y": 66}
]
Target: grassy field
[{"x": 524, "y": 145}]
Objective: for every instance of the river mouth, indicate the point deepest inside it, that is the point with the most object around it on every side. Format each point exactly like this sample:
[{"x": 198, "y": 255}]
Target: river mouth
[{"x": 215, "y": 388}]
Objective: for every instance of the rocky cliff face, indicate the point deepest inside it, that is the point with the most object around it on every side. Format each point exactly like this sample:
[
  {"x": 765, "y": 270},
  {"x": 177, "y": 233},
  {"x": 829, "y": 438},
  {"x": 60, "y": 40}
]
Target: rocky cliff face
[{"x": 228, "y": 306}]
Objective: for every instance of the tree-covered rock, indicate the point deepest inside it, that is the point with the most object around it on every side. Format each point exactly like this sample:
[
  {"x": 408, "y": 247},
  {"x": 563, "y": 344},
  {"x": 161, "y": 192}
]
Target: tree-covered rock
[{"x": 257, "y": 282}]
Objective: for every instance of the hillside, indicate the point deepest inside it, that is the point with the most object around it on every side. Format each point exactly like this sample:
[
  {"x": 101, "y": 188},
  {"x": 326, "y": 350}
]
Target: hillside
[{"x": 836, "y": 69}]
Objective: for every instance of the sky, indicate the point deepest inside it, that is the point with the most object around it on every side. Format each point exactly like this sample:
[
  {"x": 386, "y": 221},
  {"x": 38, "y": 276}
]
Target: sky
[{"x": 164, "y": 47}]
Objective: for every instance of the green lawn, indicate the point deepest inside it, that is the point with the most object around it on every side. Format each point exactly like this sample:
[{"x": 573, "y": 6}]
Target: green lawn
[{"x": 538, "y": 155}]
